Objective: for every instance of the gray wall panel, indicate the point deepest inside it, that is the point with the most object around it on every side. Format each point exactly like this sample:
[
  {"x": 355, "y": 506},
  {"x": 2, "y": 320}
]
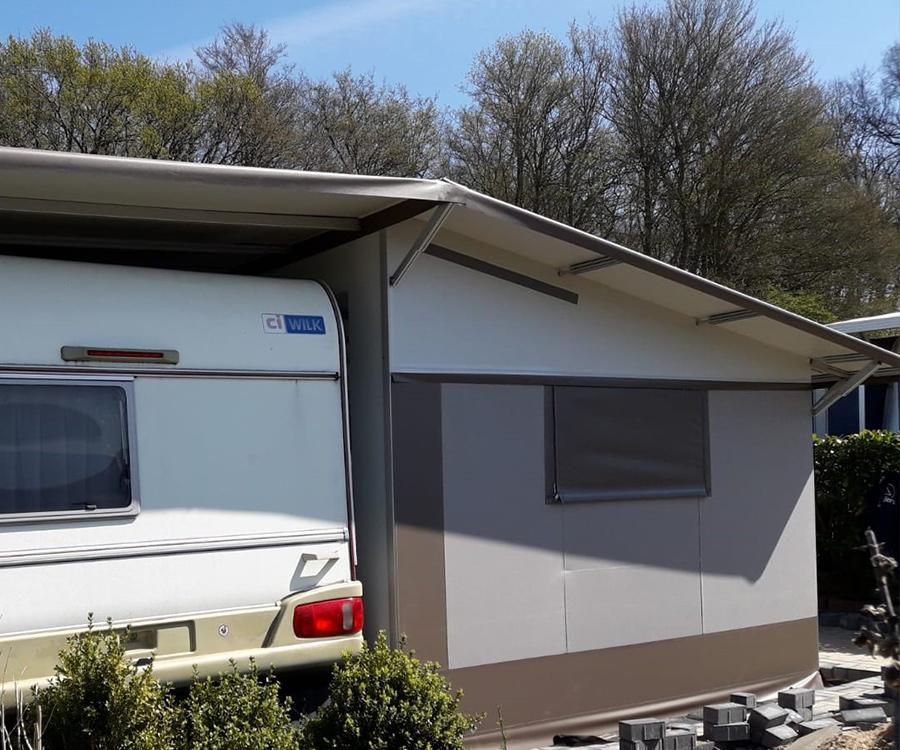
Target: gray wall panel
[
  {"x": 503, "y": 544},
  {"x": 758, "y": 529}
]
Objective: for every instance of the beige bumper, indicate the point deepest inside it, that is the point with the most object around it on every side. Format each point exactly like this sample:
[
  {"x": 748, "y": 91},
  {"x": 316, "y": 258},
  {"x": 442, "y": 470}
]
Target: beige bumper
[{"x": 204, "y": 642}]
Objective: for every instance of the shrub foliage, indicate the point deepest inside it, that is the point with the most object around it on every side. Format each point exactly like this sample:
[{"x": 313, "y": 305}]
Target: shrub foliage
[
  {"x": 236, "y": 712},
  {"x": 99, "y": 701},
  {"x": 386, "y": 699}
]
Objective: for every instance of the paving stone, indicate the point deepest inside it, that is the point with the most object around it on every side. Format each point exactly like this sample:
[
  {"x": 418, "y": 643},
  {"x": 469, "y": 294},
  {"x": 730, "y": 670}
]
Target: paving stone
[
  {"x": 724, "y": 713},
  {"x": 680, "y": 739},
  {"x": 734, "y": 732},
  {"x": 640, "y": 745},
  {"x": 641, "y": 730},
  {"x": 690, "y": 726},
  {"x": 863, "y": 716},
  {"x": 767, "y": 715},
  {"x": 745, "y": 699},
  {"x": 808, "y": 727},
  {"x": 797, "y": 698},
  {"x": 776, "y": 736},
  {"x": 886, "y": 706}
]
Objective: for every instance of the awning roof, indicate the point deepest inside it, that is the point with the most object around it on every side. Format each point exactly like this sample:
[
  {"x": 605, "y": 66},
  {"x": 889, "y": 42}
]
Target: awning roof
[{"x": 250, "y": 220}]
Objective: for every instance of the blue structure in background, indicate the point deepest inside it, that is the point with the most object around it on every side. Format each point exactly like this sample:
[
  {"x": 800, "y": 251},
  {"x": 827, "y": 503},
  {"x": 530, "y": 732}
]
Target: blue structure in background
[{"x": 875, "y": 405}]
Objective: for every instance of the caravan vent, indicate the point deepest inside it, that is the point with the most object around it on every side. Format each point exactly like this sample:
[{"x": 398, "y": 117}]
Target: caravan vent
[{"x": 98, "y": 354}]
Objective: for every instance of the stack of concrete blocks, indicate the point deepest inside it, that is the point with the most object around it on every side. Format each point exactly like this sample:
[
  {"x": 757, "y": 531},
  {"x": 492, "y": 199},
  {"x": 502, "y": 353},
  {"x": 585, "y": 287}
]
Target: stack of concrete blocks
[
  {"x": 726, "y": 724},
  {"x": 653, "y": 734},
  {"x": 769, "y": 726}
]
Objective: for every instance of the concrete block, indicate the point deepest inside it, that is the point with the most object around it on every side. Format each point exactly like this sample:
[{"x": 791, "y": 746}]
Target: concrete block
[
  {"x": 799, "y": 715},
  {"x": 857, "y": 716},
  {"x": 744, "y": 699},
  {"x": 642, "y": 730},
  {"x": 886, "y": 706},
  {"x": 767, "y": 715},
  {"x": 845, "y": 702},
  {"x": 797, "y": 698},
  {"x": 724, "y": 713},
  {"x": 777, "y": 736},
  {"x": 734, "y": 732},
  {"x": 680, "y": 739},
  {"x": 808, "y": 727}
]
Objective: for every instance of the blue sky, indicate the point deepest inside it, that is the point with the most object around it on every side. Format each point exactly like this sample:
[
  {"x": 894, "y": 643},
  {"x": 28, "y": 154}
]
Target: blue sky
[{"x": 425, "y": 44}]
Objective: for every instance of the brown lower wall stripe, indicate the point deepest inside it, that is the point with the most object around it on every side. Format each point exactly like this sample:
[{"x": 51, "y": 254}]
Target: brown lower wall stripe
[{"x": 586, "y": 691}]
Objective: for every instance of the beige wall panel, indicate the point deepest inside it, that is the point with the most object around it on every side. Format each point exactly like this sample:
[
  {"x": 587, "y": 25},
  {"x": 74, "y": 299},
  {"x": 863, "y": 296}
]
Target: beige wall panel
[
  {"x": 502, "y": 544},
  {"x": 758, "y": 529},
  {"x": 632, "y": 572}
]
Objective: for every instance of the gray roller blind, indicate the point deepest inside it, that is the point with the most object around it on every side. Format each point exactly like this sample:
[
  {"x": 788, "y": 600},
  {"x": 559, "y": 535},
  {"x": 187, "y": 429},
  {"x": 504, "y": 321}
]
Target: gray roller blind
[{"x": 623, "y": 443}]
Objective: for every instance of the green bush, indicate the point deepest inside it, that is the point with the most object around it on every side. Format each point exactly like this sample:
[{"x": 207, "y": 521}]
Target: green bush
[
  {"x": 386, "y": 699},
  {"x": 98, "y": 700},
  {"x": 846, "y": 469},
  {"x": 236, "y": 712}
]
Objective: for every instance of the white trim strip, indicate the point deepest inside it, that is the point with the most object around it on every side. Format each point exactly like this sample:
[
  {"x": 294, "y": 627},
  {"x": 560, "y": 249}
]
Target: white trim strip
[{"x": 15, "y": 558}]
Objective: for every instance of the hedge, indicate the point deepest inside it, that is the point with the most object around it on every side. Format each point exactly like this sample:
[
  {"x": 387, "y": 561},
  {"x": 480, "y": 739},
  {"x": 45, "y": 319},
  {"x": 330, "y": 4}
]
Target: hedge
[{"x": 846, "y": 469}]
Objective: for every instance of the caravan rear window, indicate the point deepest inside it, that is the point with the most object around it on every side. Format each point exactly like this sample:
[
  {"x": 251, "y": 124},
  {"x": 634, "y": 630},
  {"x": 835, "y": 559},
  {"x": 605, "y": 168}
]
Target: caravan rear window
[
  {"x": 64, "y": 448},
  {"x": 626, "y": 443}
]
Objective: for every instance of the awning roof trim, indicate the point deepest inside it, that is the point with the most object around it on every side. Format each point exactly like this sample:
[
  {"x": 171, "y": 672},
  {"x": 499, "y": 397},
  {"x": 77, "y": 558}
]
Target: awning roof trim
[{"x": 56, "y": 176}]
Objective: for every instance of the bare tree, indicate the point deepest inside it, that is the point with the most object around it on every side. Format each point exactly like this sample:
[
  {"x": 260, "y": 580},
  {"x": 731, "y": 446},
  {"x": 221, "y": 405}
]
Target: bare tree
[
  {"x": 722, "y": 127},
  {"x": 535, "y": 134},
  {"x": 249, "y": 101},
  {"x": 352, "y": 124},
  {"x": 866, "y": 113}
]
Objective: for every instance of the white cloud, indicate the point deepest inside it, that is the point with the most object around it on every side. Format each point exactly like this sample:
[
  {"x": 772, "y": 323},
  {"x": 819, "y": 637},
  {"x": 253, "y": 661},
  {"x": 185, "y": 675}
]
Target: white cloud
[{"x": 332, "y": 18}]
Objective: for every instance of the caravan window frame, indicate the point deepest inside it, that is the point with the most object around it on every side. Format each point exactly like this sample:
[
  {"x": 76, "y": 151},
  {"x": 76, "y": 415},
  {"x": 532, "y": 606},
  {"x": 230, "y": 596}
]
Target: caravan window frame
[{"x": 126, "y": 384}]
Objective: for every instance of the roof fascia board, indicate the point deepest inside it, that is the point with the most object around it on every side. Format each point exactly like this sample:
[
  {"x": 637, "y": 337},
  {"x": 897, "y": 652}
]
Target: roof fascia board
[
  {"x": 59, "y": 163},
  {"x": 83, "y": 209},
  {"x": 491, "y": 206}
]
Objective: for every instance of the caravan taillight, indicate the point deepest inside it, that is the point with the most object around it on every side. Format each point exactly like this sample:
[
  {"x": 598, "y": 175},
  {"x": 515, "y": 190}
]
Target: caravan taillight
[
  {"x": 329, "y": 618},
  {"x": 102, "y": 354}
]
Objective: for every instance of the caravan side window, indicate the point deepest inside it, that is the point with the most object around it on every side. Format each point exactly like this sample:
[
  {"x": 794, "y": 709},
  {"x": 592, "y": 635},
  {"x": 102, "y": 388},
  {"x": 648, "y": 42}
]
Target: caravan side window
[
  {"x": 626, "y": 443},
  {"x": 65, "y": 449}
]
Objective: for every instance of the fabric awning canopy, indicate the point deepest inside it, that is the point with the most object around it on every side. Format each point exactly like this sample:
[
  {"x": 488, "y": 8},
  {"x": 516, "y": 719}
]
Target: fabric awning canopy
[{"x": 250, "y": 220}]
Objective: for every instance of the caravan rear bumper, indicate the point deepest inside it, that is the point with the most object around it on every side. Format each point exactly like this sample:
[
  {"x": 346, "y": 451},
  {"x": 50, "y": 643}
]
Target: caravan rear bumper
[{"x": 204, "y": 643}]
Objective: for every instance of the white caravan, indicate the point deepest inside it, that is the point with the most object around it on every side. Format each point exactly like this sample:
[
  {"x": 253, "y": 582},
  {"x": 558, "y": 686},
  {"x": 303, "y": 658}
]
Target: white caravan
[{"x": 174, "y": 456}]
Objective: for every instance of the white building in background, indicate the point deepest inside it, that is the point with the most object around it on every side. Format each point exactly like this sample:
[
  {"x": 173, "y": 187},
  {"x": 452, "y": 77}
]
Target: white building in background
[{"x": 876, "y": 404}]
